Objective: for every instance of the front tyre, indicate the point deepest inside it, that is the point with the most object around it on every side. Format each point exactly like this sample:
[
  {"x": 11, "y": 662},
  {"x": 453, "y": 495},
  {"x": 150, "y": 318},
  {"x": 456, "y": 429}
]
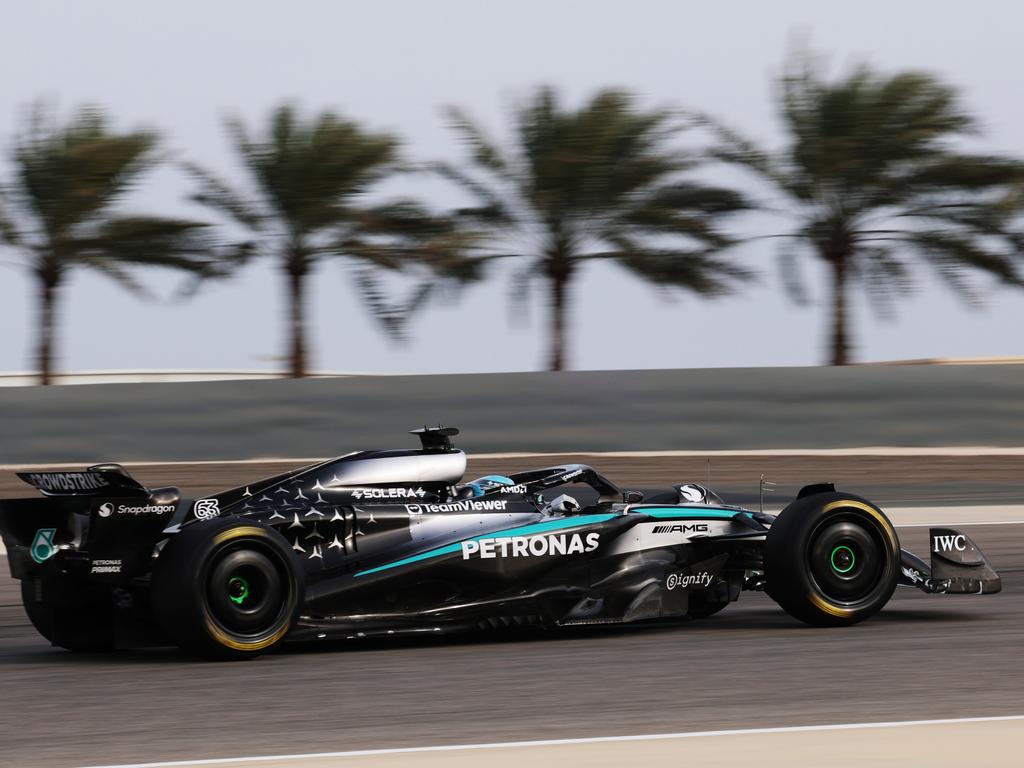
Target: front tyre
[
  {"x": 227, "y": 588},
  {"x": 831, "y": 559}
]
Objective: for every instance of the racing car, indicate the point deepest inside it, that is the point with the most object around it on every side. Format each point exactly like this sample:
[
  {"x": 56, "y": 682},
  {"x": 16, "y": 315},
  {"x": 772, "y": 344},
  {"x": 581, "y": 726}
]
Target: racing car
[{"x": 385, "y": 542}]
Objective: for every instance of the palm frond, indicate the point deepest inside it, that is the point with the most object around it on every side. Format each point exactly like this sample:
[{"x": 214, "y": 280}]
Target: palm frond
[
  {"x": 483, "y": 150},
  {"x": 492, "y": 209},
  {"x": 884, "y": 277},
  {"x": 405, "y": 236},
  {"x": 733, "y": 148},
  {"x": 306, "y": 172},
  {"x": 954, "y": 253},
  {"x": 216, "y": 194},
  {"x": 608, "y": 180},
  {"x": 875, "y": 171},
  {"x": 519, "y": 286},
  {"x": 705, "y": 273},
  {"x": 791, "y": 274},
  {"x": 150, "y": 241},
  {"x": 119, "y": 273},
  {"x": 69, "y": 174},
  {"x": 9, "y": 232},
  {"x": 392, "y": 316}
]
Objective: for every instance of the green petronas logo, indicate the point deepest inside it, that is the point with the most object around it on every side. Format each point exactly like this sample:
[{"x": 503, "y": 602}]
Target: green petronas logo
[{"x": 43, "y": 547}]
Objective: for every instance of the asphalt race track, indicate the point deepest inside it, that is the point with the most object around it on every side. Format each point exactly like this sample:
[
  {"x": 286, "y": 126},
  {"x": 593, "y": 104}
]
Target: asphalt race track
[
  {"x": 710, "y": 409},
  {"x": 923, "y": 657}
]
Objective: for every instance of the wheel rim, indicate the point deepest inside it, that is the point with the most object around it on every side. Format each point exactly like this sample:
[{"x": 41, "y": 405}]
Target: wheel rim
[
  {"x": 847, "y": 557},
  {"x": 248, "y": 591},
  {"x": 843, "y": 559},
  {"x": 238, "y": 590}
]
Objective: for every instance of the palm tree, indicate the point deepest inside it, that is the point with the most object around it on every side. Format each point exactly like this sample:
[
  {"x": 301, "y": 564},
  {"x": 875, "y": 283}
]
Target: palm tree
[
  {"x": 876, "y": 175},
  {"x": 308, "y": 181},
  {"x": 600, "y": 182},
  {"x": 60, "y": 213}
]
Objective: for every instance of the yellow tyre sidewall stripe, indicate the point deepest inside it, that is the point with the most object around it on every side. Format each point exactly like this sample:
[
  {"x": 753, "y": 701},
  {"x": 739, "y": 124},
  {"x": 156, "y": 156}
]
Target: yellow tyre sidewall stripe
[
  {"x": 216, "y": 632},
  {"x": 817, "y": 600},
  {"x": 237, "y": 533}
]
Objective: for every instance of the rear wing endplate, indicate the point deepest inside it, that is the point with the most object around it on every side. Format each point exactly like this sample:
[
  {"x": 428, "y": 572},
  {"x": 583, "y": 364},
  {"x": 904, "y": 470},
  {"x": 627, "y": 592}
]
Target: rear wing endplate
[{"x": 99, "y": 479}]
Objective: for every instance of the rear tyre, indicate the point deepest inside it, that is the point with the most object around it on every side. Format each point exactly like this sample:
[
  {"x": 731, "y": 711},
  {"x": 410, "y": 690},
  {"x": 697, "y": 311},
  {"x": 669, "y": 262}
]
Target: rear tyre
[
  {"x": 76, "y": 617},
  {"x": 831, "y": 559},
  {"x": 227, "y": 589}
]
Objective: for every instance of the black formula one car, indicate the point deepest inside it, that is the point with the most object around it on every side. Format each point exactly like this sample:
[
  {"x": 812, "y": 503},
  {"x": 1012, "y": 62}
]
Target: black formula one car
[{"x": 391, "y": 541}]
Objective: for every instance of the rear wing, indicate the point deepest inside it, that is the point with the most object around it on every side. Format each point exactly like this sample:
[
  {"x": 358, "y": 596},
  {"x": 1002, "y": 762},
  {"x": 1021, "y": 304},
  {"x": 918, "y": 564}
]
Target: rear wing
[
  {"x": 99, "y": 524},
  {"x": 97, "y": 480}
]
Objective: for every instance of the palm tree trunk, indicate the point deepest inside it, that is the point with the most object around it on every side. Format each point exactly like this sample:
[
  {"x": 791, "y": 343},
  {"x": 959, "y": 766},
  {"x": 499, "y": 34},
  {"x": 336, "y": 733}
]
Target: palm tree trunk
[
  {"x": 840, "y": 338},
  {"x": 47, "y": 321},
  {"x": 559, "y": 297},
  {"x": 297, "y": 319}
]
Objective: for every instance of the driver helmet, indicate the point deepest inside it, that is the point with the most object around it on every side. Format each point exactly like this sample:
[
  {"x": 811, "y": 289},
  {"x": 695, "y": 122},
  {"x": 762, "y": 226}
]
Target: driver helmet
[
  {"x": 693, "y": 493},
  {"x": 489, "y": 483}
]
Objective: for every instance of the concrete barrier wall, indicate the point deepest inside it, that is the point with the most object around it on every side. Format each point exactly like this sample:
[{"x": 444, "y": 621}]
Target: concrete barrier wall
[{"x": 715, "y": 409}]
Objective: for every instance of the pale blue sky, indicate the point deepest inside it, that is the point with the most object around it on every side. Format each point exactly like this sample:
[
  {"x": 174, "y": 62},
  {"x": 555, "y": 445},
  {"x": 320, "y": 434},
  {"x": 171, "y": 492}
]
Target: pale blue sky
[{"x": 183, "y": 66}]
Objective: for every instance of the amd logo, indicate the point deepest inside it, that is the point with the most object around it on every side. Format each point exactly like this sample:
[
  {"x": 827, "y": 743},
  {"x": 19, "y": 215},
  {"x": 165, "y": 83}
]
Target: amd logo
[
  {"x": 682, "y": 528},
  {"x": 949, "y": 543}
]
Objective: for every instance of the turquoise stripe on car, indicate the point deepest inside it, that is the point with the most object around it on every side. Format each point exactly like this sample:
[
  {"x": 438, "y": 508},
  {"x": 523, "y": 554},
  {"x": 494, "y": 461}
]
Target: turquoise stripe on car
[
  {"x": 525, "y": 530},
  {"x": 686, "y": 513}
]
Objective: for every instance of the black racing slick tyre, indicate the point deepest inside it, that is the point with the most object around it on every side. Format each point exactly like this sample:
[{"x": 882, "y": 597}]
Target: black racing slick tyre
[
  {"x": 72, "y": 616},
  {"x": 227, "y": 588},
  {"x": 831, "y": 559}
]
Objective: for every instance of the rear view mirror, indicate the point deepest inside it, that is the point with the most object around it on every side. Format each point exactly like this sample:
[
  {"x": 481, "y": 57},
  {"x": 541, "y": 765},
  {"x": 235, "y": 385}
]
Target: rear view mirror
[{"x": 565, "y": 504}]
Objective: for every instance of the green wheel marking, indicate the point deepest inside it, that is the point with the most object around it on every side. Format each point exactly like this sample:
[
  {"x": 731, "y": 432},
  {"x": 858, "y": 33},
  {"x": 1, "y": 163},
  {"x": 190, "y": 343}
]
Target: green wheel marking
[
  {"x": 837, "y": 558},
  {"x": 238, "y": 590}
]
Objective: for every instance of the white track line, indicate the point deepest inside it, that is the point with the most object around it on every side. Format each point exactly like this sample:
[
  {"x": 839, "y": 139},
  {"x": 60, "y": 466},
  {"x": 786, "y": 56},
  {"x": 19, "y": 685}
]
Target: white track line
[
  {"x": 230, "y": 462},
  {"x": 565, "y": 742},
  {"x": 954, "y": 451},
  {"x": 967, "y": 450},
  {"x": 957, "y": 524}
]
